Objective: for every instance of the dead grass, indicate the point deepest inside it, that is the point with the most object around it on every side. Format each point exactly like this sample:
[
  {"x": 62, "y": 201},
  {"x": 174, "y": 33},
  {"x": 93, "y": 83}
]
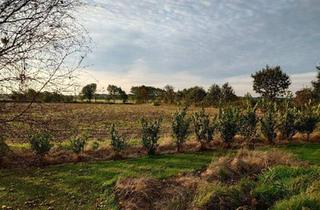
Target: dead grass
[
  {"x": 206, "y": 190},
  {"x": 153, "y": 194},
  {"x": 247, "y": 163}
]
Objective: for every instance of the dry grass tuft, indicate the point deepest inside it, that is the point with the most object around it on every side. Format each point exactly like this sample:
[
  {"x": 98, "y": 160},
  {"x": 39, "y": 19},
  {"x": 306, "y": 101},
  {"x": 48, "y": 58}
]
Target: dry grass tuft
[
  {"x": 247, "y": 163},
  {"x": 148, "y": 193},
  {"x": 205, "y": 190}
]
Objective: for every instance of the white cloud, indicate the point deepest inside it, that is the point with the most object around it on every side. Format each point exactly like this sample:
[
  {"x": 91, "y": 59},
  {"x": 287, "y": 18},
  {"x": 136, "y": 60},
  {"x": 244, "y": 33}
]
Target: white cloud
[{"x": 198, "y": 42}]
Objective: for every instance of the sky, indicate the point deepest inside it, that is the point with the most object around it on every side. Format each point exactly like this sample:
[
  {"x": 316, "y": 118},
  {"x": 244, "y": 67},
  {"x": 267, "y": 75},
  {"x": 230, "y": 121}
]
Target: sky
[{"x": 200, "y": 42}]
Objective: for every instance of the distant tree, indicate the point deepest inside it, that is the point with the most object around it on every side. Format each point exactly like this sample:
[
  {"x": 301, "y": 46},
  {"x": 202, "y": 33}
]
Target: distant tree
[
  {"x": 304, "y": 96},
  {"x": 195, "y": 95},
  {"x": 169, "y": 95},
  {"x": 123, "y": 96},
  {"x": 227, "y": 93},
  {"x": 113, "y": 92},
  {"x": 144, "y": 94},
  {"x": 140, "y": 94},
  {"x": 89, "y": 90},
  {"x": 271, "y": 82},
  {"x": 214, "y": 95},
  {"x": 316, "y": 86}
]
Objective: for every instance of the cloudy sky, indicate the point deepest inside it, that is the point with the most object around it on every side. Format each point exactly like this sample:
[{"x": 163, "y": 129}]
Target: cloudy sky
[{"x": 200, "y": 42}]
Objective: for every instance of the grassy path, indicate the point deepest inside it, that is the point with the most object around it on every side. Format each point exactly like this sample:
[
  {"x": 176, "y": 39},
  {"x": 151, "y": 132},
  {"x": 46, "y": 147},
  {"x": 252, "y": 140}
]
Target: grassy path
[{"x": 89, "y": 185}]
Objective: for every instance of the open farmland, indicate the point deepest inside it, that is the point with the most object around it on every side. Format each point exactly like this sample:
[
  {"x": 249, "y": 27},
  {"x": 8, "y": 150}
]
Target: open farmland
[{"x": 64, "y": 120}]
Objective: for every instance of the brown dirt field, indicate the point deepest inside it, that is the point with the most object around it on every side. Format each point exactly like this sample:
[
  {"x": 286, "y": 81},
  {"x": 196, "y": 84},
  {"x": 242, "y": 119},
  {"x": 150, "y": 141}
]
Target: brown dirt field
[{"x": 65, "y": 120}]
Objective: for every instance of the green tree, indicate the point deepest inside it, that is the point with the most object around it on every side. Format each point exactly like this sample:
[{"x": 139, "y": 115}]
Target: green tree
[
  {"x": 228, "y": 124},
  {"x": 118, "y": 143},
  {"x": 271, "y": 82},
  {"x": 304, "y": 96},
  {"x": 123, "y": 96},
  {"x": 248, "y": 124},
  {"x": 89, "y": 91},
  {"x": 227, "y": 93},
  {"x": 214, "y": 95},
  {"x": 78, "y": 143},
  {"x": 117, "y": 93},
  {"x": 150, "y": 135},
  {"x": 180, "y": 127},
  {"x": 40, "y": 143},
  {"x": 169, "y": 95},
  {"x": 269, "y": 123},
  {"x": 308, "y": 119},
  {"x": 316, "y": 86},
  {"x": 287, "y": 120},
  {"x": 203, "y": 128},
  {"x": 113, "y": 92},
  {"x": 195, "y": 95}
]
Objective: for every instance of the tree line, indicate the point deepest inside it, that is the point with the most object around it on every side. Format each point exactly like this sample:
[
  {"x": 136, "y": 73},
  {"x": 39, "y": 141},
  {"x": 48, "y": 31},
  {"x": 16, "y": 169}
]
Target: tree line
[{"x": 269, "y": 82}]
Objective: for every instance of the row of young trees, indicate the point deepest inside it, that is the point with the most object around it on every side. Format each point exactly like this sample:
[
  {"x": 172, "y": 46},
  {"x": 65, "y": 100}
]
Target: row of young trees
[{"x": 262, "y": 120}]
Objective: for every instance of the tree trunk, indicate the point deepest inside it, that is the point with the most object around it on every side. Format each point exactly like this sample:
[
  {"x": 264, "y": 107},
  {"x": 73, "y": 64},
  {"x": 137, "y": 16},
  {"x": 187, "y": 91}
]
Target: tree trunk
[
  {"x": 178, "y": 147},
  {"x": 203, "y": 146},
  {"x": 308, "y": 137}
]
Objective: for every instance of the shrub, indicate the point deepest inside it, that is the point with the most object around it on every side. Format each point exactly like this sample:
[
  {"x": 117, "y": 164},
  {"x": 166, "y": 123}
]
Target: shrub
[
  {"x": 118, "y": 143},
  {"x": 180, "y": 127},
  {"x": 3, "y": 148},
  {"x": 78, "y": 143},
  {"x": 248, "y": 124},
  {"x": 40, "y": 143},
  {"x": 228, "y": 124},
  {"x": 95, "y": 145},
  {"x": 269, "y": 123},
  {"x": 150, "y": 135},
  {"x": 288, "y": 122},
  {"x": 202, "y": 127},
  {"x": 307, "y": 120}
]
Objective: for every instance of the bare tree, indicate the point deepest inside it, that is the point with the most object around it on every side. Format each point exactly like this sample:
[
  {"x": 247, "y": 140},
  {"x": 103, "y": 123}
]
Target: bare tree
[{"x": 41, "y": 46}]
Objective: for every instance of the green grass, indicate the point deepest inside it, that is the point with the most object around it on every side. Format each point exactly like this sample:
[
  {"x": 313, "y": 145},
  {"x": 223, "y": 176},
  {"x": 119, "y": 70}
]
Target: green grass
[
  {"x": 89, "y": 185},
  {"x": 307, "y": 152}
]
